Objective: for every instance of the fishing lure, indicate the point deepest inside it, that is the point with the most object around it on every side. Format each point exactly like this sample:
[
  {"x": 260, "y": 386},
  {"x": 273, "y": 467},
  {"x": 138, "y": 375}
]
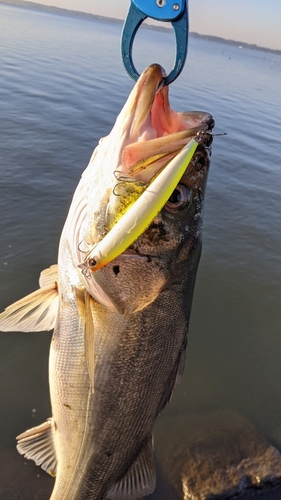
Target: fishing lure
[{"x": 141, "y": 213}]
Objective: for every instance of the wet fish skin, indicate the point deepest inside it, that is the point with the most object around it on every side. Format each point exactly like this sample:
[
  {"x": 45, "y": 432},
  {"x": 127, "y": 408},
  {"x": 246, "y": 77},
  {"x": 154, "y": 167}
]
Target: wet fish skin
[
  {"x": 119, "y": 341},
  {"x": 138, "y": 354}
]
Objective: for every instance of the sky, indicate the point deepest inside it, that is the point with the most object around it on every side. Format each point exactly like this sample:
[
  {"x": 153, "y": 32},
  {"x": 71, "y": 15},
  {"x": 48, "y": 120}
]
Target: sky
[{"x": 250, "y": 21}]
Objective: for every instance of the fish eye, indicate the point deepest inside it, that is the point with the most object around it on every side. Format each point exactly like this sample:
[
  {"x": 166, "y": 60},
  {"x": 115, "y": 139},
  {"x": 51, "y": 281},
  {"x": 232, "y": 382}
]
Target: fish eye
[{"x": 178, "y": 199}]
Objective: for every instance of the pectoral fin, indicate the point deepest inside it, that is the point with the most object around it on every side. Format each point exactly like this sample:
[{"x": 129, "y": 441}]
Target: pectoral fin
[
  {"x": 37, "y": 311},
  {"x": 38, "y": 444},
  {"x": 140, "y": 479}
]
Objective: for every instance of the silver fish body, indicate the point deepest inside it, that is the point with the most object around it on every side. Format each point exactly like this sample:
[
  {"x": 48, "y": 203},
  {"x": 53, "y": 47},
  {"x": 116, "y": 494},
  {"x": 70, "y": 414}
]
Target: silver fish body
[{"x": 120, "y": 335}]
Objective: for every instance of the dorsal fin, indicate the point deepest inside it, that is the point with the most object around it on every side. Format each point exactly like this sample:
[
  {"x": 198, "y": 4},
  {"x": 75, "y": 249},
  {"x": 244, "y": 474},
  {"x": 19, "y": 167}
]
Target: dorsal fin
[{"x": 37, "y": 311}]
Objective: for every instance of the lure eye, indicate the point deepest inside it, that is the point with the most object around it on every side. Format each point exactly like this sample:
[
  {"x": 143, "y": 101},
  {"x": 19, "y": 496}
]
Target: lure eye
[
  {"x": 92, "y": 263},
  {"x": 178, "y": 199}
]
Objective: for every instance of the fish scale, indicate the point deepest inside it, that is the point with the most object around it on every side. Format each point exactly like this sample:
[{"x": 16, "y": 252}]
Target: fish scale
[{"x": 137, "y": 365}]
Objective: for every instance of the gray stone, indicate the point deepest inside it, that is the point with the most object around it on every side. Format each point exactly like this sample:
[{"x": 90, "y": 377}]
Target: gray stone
[{"x": 218, "y": 455}]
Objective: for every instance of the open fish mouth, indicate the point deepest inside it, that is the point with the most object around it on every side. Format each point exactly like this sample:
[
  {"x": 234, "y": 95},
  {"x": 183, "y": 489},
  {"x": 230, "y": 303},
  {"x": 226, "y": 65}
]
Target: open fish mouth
[{"x": 156, "y": 132}]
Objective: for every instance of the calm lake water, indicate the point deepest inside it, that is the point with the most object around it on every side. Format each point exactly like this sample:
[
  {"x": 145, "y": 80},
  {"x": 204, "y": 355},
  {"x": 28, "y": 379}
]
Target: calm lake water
[{"x": 62, "y": 84}]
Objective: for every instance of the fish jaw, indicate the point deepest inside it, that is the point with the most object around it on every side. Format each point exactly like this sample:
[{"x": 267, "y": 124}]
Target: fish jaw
[{"x": 146, "y": 135}]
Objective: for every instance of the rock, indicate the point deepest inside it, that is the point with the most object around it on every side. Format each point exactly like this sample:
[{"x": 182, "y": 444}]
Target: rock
[{"x": 217, "y": 455}]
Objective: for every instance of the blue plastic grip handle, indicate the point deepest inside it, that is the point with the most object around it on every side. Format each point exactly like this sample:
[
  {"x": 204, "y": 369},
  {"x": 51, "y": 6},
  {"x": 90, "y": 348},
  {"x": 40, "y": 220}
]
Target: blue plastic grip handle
[{"x": 161, "y": 10}]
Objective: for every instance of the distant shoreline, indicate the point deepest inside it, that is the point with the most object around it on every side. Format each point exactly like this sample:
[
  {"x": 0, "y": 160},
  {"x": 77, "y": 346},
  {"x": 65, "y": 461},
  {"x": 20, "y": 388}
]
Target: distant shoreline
[{"x": 84, "y": 15}]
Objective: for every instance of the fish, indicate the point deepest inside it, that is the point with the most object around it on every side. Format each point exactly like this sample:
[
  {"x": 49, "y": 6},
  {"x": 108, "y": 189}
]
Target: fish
[{"x": 120, "y": 332}]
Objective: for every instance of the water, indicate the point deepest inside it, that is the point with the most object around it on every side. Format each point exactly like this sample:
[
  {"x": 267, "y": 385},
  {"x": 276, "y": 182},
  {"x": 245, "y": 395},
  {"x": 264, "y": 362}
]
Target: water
[{"x": 62, "y": 85}]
